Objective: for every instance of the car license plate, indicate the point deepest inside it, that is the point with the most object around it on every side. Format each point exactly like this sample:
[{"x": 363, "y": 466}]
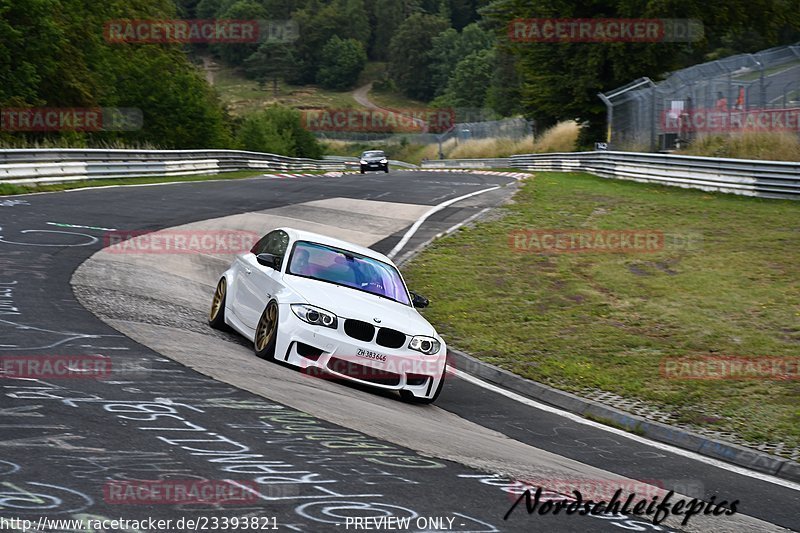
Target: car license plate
[{"x": 367, "y": 354}]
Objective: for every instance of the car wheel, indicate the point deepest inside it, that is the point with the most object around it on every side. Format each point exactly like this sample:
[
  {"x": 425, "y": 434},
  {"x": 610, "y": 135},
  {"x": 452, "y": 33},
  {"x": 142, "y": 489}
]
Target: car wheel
[
  {"x": 216, "y": 317},
  {"x": 267, "y": 332},
  {"x": 386, "y": 170},
  {"x": 408, "y": 397},
  {"x": 362, "y": 171}
]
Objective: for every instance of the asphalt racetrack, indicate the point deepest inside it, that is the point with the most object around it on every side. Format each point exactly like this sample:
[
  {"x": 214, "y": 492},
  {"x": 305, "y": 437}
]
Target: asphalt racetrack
[{"x": 187, "y": 403}]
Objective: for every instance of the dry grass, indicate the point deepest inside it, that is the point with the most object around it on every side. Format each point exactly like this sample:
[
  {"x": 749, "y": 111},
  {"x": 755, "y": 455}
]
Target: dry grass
[
  {"x": 560, "y": 138},
  {"x": 409, "y": 152},
  {"x": 777, "y": 146}
]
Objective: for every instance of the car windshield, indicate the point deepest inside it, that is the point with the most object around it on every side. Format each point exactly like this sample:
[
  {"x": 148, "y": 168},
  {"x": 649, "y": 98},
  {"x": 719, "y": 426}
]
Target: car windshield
[
  {"x": 342, "y": 267},
  {"x": 373, "y": 153}
]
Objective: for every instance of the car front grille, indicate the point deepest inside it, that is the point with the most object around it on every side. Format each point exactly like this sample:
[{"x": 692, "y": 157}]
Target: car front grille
[
  {"x": 390, "y": 338},
  {"x": 363, "y": 373},
  {"x": 357, "y": 329}
]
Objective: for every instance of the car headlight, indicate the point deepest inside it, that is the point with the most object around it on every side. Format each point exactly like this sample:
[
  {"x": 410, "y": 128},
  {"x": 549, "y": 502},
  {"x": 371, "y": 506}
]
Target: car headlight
[
  {"x": 315, "y": 315},
  {"x": 426, "y": 345},
  {"x": 384, "y": 161},
  {"x": 363, "y": 162}
]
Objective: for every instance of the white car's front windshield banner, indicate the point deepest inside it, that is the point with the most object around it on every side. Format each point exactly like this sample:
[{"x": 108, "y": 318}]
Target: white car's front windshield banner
[{"x": 324, "y": 263}]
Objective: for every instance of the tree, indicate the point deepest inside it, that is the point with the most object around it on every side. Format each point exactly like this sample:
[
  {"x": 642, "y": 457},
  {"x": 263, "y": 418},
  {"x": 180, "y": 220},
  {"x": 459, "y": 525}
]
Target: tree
[
  {"x": 450, "y": 47},
  {"x": 470, "y": 80},
  {"x": 342, "y": 62},
  {"x": 53, "y": 54},
  {"x": 346, "y": 19},
  {"x": 357, "y": 26},
  {"x": 235, "y": 53},
  {"x": 503, "y": 94},
  {"x": 409, "y": 55},
  {"x": 209, "y": 9},
  {"x": 272, "y": 61},
  {"x": 560, "y": 81},
  {"x": 387, "y": 15}
]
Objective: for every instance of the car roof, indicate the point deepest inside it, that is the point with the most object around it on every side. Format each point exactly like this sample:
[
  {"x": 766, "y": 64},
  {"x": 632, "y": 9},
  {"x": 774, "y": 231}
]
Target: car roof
[{"x": 302, "y": 235}]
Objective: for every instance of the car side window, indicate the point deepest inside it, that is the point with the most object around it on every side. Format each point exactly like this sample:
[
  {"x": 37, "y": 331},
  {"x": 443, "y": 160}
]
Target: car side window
[{"x": 275, "y": 243}]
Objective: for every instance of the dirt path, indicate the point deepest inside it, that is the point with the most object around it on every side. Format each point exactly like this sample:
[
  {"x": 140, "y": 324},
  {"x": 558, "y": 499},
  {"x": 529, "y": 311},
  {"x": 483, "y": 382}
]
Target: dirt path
[
  {"x": 361, "y": 96},
  {"x": 209, "y": 67}
]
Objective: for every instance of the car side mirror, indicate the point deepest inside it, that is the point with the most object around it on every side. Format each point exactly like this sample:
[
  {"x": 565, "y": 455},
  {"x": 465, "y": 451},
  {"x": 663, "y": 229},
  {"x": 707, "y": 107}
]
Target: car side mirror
[
  {"x": 269, "y": 260},
  {"x": 418, "y": 300}
]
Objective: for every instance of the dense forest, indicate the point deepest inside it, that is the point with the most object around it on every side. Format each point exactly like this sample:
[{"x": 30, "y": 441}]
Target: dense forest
[{"x": 456, "y": 53}]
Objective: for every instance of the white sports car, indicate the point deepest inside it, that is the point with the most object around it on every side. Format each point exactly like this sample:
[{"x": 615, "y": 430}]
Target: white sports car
[{"x": 334, "y": 309}]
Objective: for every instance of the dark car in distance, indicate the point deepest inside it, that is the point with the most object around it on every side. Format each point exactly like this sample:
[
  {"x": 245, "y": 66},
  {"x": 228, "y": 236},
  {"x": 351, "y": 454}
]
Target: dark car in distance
[{"x": 374, "y": 160}]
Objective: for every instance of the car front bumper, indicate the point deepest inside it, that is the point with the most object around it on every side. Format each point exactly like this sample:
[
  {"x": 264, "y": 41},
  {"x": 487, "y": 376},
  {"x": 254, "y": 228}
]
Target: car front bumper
[
  {"x": 374, "y": 166},
  {"x": 335, "y": 355}
]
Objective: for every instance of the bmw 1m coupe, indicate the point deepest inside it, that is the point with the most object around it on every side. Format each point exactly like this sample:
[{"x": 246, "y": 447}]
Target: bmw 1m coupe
[
  {"x": 373, "y": 160},
  {"x": 333, "y": 309}
]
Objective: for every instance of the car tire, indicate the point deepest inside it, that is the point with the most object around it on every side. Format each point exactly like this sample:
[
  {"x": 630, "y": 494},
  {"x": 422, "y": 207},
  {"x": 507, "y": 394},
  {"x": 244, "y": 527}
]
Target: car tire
[
  {"x": 386, "y": 169},
  {"x": 408, "y": 397},
  {"x": 216, "y": 317},
  {"x": 267, "y": 332},
  {"x": 362, "y": 170}
]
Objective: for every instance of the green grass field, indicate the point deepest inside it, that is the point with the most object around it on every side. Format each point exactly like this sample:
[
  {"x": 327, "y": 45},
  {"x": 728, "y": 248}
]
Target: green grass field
[
  {"x": 607, "y": 321},
  {"x": 243, "y": 96}
]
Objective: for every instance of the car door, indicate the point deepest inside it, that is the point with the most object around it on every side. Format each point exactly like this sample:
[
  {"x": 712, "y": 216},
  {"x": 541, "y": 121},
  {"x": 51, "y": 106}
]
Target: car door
[{"x": 258, "y": 284}]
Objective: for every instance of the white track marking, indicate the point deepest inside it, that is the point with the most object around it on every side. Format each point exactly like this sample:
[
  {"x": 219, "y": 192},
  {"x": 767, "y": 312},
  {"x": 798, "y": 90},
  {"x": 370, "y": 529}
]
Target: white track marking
[
  {"x": 413, "y": 229},
  {"x": 661, "y": 446}
]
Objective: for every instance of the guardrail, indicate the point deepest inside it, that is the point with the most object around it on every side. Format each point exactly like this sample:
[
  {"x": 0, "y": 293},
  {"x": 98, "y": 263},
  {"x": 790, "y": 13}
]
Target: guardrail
[
  {"x": 768, "y": 179},
  {"x": 33, "y": 166},
  {"x": 497, "y": 162},
  {"x": 771, "y": 179}
]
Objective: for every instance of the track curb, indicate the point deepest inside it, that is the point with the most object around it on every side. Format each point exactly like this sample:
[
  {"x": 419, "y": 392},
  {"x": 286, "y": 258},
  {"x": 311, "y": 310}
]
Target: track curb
[{"x": 680, "y": 438}]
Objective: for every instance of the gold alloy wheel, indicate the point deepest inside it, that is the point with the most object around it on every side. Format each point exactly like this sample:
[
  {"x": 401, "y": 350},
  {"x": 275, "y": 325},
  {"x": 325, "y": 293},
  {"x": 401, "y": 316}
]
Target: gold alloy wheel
[
  {"x": 266, "y": 327},
  {"x": 219, "y": 299}
]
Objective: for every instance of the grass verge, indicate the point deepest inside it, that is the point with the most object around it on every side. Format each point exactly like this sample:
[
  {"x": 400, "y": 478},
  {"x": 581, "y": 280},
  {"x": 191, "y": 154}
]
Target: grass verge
[
  {"x": 11, "y": 189},
  {"x": 601, "y": 321},
  {"x": 775, "y": 146}
]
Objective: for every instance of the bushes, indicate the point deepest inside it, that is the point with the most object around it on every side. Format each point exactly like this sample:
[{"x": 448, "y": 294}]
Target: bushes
[{"x": 277, "y": 130}]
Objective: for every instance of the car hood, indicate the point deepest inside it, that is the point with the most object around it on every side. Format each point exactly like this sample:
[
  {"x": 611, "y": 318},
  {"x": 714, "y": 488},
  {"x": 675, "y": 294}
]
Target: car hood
[{"x": 346, "y": 302}]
